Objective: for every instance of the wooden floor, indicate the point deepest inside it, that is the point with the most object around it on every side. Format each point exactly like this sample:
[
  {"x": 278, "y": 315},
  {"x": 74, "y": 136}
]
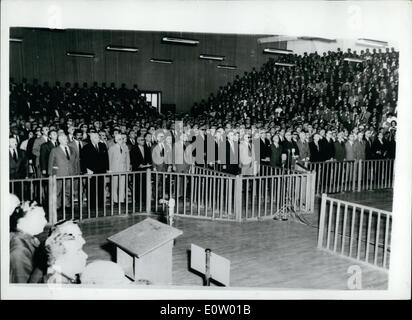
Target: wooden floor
[{"x": 269, "y": 254}]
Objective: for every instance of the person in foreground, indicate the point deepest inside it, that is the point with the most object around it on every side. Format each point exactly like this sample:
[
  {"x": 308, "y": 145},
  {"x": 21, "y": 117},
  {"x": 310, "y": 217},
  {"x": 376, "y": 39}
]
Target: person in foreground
[
  {"x": 66, "y": 258},
  {"x": 26, "y": 222}
]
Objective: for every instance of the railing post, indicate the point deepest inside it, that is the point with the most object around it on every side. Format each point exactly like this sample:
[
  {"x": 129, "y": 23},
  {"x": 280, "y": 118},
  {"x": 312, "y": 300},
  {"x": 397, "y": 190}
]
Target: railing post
[
  {"x": 52, "y": 199},
  {"x": 238, "y": 198},
  {"x": 354, "y": 175},
  {"x": 359, "y": 175},
  {"x": 312, "y": 191},
  {"x": 322, "y": 220},
  {"x": 148, "y": 190}
]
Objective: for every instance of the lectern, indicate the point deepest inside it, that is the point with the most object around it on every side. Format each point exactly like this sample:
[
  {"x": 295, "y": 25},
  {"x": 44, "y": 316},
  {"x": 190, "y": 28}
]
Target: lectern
[{"x": 144, "y": 251}]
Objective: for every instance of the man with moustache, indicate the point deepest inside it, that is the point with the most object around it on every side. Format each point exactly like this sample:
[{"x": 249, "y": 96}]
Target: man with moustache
[{"x": 45, "y": 150}]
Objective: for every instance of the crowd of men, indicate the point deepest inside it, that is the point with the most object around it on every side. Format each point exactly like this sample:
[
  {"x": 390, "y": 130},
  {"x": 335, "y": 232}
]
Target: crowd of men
[{"x": 324, "y": 108}]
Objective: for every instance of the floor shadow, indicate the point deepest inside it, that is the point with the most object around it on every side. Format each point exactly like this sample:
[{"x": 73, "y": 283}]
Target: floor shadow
[{"x": 111, "y": 249}]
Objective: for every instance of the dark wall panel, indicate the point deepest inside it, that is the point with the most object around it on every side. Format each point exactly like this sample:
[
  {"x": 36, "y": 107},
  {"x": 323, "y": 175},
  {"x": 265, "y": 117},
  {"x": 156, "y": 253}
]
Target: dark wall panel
[{"x": 42, "y": 55}]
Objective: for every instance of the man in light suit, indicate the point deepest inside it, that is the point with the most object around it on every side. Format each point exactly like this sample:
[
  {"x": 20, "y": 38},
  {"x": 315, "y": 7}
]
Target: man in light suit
[
  {"x": 158, "y": 153},
  {"x": 119, "y": 161},
  {"x": 247, "y": 156},
  {"x": 65, "y": 161},
  {"x": 77, "y": 144},
  {"x": 359, "y": 147},
  {"x": 303, "y": 146},
  {"x": 349, "y": 148}
]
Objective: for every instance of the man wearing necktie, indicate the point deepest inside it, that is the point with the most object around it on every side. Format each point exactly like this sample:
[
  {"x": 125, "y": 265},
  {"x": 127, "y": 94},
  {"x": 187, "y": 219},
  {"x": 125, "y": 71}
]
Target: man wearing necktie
[
  {"x": 119, "y": 162},
  {"x": 17, "y": 162},
  {"x": 77, "y": 145},
  {"x": 96, "y": 160},
  {"x": 64, "y": 161},
  {"x": 45, "y": 150},
  {"x": 158, "y": 153},
  {"x": 359, "y": 147},
  {"x": 148, "y": 147},
  {"x": 232, "y": 154},
  {"x": 247, "y": 156}
]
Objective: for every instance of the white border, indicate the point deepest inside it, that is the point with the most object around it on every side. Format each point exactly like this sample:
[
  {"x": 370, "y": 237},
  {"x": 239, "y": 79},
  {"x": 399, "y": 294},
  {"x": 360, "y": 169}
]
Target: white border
[{"x": 383, "y": 20}]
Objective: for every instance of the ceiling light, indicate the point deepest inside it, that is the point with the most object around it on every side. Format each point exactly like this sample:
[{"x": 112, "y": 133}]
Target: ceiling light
[
  {"x": 80, "y": 54},
  {"x": 161, "y": 61},
  {"x": 276, "y": 39},
  {"x": 211, "y": 57},
  {"x": 284, "y": 64},
  {"x": 121, "y": 48},
  {"x": 180, "y": 40},
  {"x": 317, "y": 39},
  {"x": 277, "y": 51},
  {"x": 16, "y": 40},
  {"x": 371, "y": 43},
  {"x": 221, "y": 66}
]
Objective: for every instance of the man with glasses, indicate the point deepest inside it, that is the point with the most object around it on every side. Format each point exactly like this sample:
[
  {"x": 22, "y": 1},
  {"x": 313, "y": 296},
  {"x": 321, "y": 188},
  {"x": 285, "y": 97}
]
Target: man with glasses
[{"x": 140, "y": 155}]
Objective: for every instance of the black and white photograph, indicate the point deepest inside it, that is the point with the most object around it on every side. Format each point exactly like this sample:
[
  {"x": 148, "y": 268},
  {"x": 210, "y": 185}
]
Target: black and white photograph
[{"x": 206, "y": 150}]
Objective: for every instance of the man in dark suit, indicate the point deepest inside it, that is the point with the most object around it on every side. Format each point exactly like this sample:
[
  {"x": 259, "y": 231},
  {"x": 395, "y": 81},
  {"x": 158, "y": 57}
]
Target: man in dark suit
[
  {"x": 264, "y": 147},
  {"x": 290, "y": 148},
  {"x": 328, "y": 147},
  {"x": 17, "y": 161},
  {"x": 339, "y": 145},
  {"x": 148, "y": 144},
  {"x": 131, "y": 140},
  {"x": 77, "y": 144},
  {"x": 45, "y": 150},
  {"x": 315, "y": 149},
  {"x": 232, "y": 155},
  {"x": 96, "y": 160},
  {"x": 64, "y": 160},
  {"x": 140, "y": 161},
  {"x": 369, "y": 150},
  {"x": 139, "y": 155}
]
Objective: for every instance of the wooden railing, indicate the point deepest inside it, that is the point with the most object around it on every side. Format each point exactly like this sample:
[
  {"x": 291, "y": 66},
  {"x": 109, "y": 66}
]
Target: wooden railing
[
  {"x": 201, "y": 193},
  {"x": 346, "y": 176},
  {"x": 263, "y": 196},
  {"x": 354, "y": 231},
  {"x": 85, "y": 196}
]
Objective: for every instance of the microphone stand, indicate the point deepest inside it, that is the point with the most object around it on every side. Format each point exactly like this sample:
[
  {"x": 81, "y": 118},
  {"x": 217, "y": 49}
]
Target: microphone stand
[{"x": 285, "y": 210}]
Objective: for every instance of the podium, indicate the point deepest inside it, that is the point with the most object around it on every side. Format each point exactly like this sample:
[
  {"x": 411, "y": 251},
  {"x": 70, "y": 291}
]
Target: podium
[{"x": 144, "y": 251}]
